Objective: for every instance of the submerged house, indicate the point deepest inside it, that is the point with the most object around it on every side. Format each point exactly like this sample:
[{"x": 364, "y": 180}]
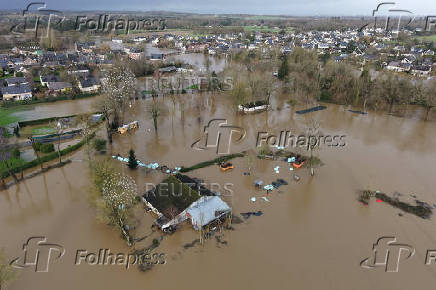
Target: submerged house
[
  {"x": 179, "y": 198},
  {"x": 206, "y": 210}
]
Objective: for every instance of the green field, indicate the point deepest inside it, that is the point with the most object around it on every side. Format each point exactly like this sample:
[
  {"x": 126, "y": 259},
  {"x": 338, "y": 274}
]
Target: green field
[
  {"x": 427, "y": 38},
  {"x": 6, "y": 116},
  {"x": 43, "y": 130}
]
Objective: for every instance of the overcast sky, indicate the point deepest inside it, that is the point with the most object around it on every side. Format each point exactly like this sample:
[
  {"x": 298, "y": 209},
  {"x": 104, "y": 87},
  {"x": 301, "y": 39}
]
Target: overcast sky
[{"x": 283, "y": 7}]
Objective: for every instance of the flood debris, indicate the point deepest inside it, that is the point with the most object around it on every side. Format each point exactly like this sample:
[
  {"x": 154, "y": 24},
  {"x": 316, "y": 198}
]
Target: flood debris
[
  {"x": 219, "y": 160},
  {"x": 258, "y": 183},
  {"x": 247, "y": 215},
  {"x": 279, "y": 182},
  {"x": 421, "y": 209},
  {"x": 191, "y": 244},
  {"x": 236, "y": 220},
  {"x": 220, "y": 241},
  {"x": 314, "y": 109},
  {"x": 358, "y": 112}
]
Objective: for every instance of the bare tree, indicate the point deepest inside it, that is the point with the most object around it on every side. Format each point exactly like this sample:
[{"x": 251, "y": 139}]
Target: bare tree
[
  {"x": 33, "y": 144},
  {"x": 154, "y": 111},
  {"x": 312, "y": 133},
  {"x": 59, "y": 127},
  {"x": 429, "y": 101}
]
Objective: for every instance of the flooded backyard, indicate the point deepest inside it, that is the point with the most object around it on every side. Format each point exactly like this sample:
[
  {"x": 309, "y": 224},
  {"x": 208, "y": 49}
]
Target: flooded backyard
[{"x": 312, "y": 234}]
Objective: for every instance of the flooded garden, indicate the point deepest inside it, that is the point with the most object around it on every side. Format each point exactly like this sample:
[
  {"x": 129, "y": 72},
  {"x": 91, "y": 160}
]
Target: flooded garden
[{"x": 284, "y": 234}]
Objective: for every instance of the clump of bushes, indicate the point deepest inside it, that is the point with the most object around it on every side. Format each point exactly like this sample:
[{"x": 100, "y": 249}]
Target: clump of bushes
[
  {"x": 100, "y": 145},
  {"x": 133, "y": 163},
  {"x": 47, "y": 148},
  {"x": 16, "y": 153},
  {"x": 44, "y": 148},
  {"x": 421, "y": 209}
]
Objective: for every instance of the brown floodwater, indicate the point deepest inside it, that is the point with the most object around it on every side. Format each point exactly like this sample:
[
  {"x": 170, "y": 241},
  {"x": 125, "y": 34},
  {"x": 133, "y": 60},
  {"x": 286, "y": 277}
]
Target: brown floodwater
[
  {"x": 312, "y": 235},
  {"x": 58, "y": 109}
]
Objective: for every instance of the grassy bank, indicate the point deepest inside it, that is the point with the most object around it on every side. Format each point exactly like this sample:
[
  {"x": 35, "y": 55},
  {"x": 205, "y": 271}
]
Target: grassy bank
[{"x": 7, "y": 117}]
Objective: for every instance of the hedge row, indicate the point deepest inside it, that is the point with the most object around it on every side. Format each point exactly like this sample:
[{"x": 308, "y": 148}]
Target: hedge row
[
  {"x": 218, "y": 160},
  {"x": 41, "y": 121}
]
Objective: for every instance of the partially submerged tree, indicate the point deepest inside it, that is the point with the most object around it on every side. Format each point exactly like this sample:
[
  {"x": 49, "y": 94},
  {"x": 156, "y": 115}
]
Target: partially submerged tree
[
  {"x": 154, "y": 110},
  {"x": 312, "y": 135},
  {"x": 59, "y": 126},
  {"x": 428, "y": 101},
  {"x": 284, "y": 68},
  {"x": 35, "y": 150},
  {"x": 132, "y": 163},
  {"x": 113, "y": 195},
  {"x": 119, "y": 87},
  {"x": 85, "y": 121}
]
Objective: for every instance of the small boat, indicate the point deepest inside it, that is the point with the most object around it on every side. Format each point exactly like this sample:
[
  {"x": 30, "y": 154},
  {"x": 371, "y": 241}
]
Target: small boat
[
  {"x": 298, "y": 165},
  {"x": 226, "y": 166}
]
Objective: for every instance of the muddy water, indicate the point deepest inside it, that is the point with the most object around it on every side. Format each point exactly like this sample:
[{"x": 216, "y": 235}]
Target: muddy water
[
  {"x": 198, "y": 60},
  {"x": 312, "y": 234},
  {"x": 58, "y": 109}
]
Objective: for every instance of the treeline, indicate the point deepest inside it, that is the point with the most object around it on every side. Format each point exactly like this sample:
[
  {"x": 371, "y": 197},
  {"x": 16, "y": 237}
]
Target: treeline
[{"x": 338, "y": 82}]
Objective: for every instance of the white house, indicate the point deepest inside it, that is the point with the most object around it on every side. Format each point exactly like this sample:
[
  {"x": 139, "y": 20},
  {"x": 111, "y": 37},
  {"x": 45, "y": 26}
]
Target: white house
[{"x": 89, "y": 85}]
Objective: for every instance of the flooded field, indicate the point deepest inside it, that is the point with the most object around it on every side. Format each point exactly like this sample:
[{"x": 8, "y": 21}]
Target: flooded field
[
  {"x": 312, "y": 234},
  {"x": 57, "y": 109}
]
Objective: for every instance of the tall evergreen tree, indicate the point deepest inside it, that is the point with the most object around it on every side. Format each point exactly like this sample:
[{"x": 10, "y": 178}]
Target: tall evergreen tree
[{"x": 133, "y": 163}]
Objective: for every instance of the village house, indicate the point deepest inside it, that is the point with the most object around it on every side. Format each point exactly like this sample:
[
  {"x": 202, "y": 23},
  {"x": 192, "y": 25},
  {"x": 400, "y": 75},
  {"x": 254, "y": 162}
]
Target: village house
[
  {"x": 59, "y": 87},
  {"x": 15, "y": 81},
  {"x": 420, "y": 70},
  {"x": 182, "y": 198},
  {"x": 48, "y": 78},
  {"x": 88, "y": 85},
  {"x": 17, "y": 93}
]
